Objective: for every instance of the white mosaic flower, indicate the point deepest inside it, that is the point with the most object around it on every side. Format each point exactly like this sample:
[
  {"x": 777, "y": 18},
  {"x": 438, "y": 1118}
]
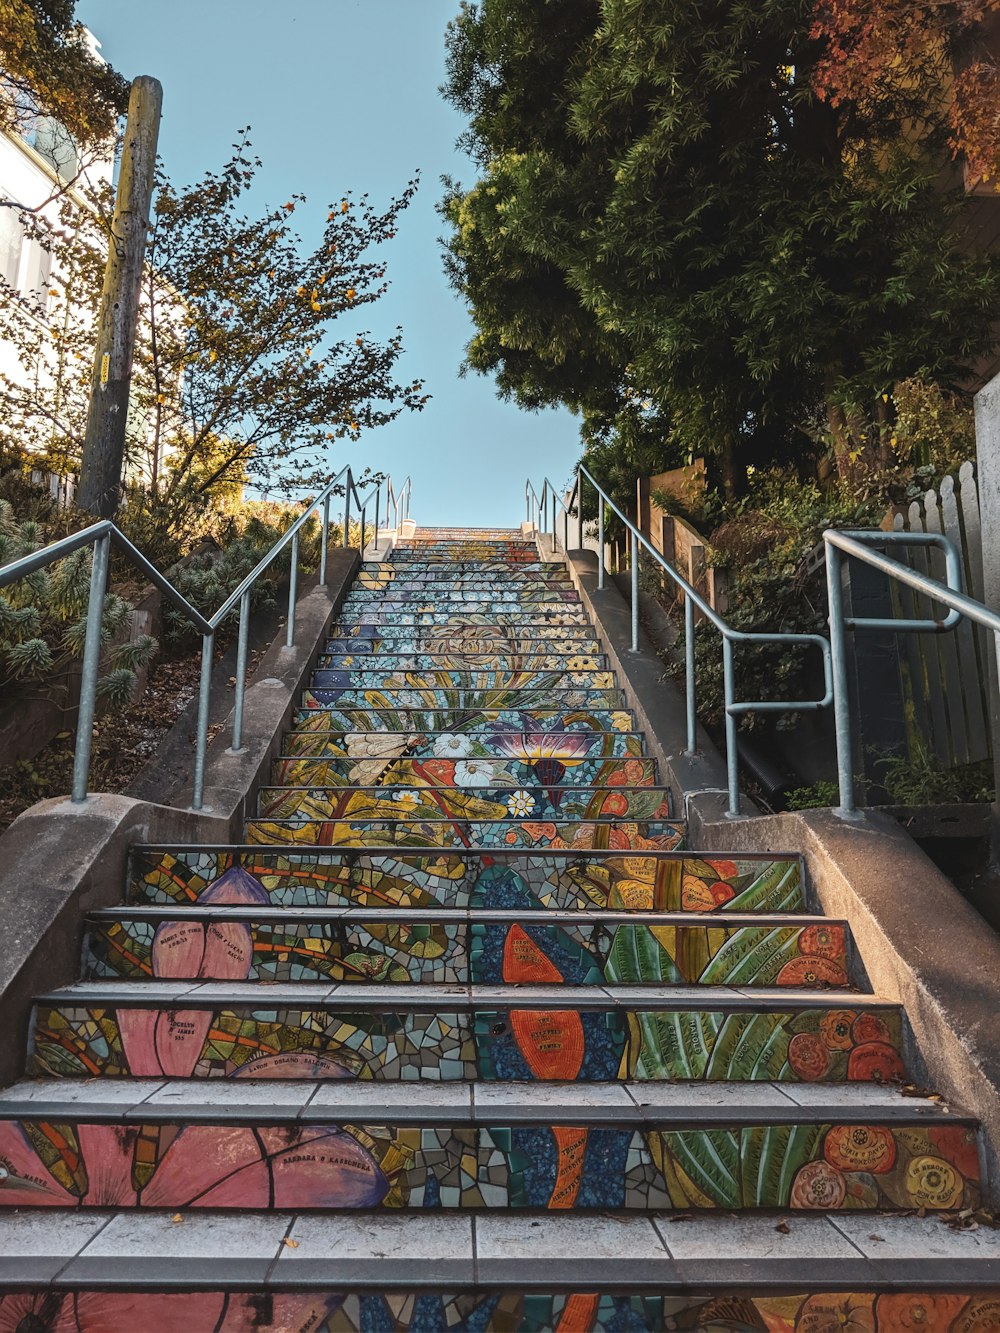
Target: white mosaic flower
[
  {"x": 473, "y": 773},
  {"x": 407, "y": 699},
  {"x": 406, "y": 797},
  {"x": 449, "y": 746},
  {"x": 520, "y": 803}
]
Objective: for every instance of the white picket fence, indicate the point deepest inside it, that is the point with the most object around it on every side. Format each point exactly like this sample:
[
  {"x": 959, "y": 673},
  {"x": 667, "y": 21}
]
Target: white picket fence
[{"x": 945, "y": 675}]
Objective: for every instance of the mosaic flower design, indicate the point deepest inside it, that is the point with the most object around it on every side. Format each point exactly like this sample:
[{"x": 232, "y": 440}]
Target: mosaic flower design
[
  {"x": 197, "y": 1166},
  {"x": 450, "y": 745},
  {"x": 520, "y": 804},
  {"x": 473, "y": 773}
]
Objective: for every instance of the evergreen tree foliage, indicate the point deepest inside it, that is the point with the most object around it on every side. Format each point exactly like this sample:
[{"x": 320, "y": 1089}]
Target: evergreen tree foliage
[{"x": 672, "y": 233}]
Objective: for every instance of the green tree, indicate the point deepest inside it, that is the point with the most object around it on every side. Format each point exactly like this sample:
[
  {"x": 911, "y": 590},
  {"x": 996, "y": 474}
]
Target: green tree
[
  {"x": 244, "y": 370},
  {"x": 667, "y": 213}
]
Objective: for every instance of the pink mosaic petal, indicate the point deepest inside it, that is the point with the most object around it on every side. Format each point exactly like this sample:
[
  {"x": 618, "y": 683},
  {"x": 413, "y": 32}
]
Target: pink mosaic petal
[
  {"x": 138, "y": 1033},
  {"x": 178, "y": 949},
  {"x": 130, "y": 1312},
  {"x": 200, "y": 1157},
  {"x": 228, "y": 951},
  {"x": 180, "y": 1039},
  {"x": 108, "y": 1152}
]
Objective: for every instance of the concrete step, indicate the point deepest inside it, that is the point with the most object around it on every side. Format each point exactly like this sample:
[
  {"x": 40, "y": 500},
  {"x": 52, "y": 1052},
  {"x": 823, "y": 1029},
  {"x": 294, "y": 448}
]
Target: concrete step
[
  {"x": 388, "y": 678},
  {"x": 255, "y": 941},
  {"x": 447, "y": 834},
  {"x": 363, "y": 745},
  {"x": 415, "y": 803},
  {"x": 496, "y": 699},
  {"x": 565, "y": 880},
  {"x": 350, "y": 1146},
  {"x": 118, "y": 1270},
  {"x": 209, "y": 1029},
  {"x": 468, "y": 722},
  {"x": 566, "y": 766}
]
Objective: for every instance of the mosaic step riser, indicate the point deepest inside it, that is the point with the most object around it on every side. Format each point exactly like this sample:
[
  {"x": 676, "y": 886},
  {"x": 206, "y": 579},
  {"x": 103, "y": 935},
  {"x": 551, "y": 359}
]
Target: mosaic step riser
[
  {"x": 472, "y": 651},
  {"x": 360, "y": 606},
  {"x": 450, "y": 594},
  {"x": 244, "y": 944},
  {"x": 561, "y": 881},
  {"x": 377, "y": 745},
  {"x": 479, "y": 568},
  {"x": 415, "y": 804},
  {"x": 448, "y": 834},
  {"x": 440, "y": 583},
  {"x": 159, "y": 1163},
  {"x": 468, "y": 641},
  {"x": 422, "y": 1035},
  {"x": 388, "y": 678},
  {"x": 486, "y": 700},
  {"x": 510, "y": 664},
  {"x": 521, "y": 614},
  {"x": 565, "y": 767},
  {"x": 336, "y": 1307},
  {"x": 545, "y": 616},
  {"x": 470, "y": 722}
]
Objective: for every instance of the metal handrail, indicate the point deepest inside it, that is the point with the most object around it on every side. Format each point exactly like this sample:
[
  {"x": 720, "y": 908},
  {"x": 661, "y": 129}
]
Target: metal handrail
[
  {"x": 101, "y": 535},
  {"x": 856, "y": 542},
  {"x": 537, "y": 507}
]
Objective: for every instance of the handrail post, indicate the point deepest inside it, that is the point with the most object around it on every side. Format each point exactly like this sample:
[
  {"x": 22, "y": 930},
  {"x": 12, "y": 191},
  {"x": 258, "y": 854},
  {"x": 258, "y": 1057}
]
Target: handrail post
[
  {"x": 363, "y": 511},
  {"x": 201, "y": 742},
  {"x": 378, "y": 497},
  {"x": 841, "y": 696},
  {"x": 293, "y": 587},
  {"x": 579, "y": 509},
  {"x": 634, "y": 558},
  {"x": 600, "y": 541},
  {"x": 241, "y": 672},
  {"x": 566, "y": 530},
  {"x": 91, "y": 667},
  {"x": 732, "y": 754},
  {"x": 553, "y": 522},
  {"x": 689, "y": 677},
  {"x": 347, "y": 510},
  {"x": 325, "y": 542}
]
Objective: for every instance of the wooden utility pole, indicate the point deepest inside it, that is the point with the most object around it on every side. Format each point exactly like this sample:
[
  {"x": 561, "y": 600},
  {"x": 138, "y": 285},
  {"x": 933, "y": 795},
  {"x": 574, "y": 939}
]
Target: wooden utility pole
[{"x": 104, "y": 445}]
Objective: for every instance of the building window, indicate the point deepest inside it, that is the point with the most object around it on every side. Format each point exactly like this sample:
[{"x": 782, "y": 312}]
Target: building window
[{"x": 25, "y": 263}]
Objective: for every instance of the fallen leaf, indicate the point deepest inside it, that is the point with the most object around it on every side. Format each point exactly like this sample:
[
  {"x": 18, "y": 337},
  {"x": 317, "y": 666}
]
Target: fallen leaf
[
  {"x": 292, "y": 1244},
  {"x": 177, "y": 1218},
  {"x": 783, "y": 1227}
]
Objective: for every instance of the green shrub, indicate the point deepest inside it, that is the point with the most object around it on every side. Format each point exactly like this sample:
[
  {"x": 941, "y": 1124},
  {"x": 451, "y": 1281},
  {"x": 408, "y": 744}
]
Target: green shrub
[{"x": 43, "y": 622}]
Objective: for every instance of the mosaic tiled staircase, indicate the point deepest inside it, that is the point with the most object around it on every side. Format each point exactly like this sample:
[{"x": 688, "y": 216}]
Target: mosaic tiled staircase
[{"x": 461, "y": 1038}]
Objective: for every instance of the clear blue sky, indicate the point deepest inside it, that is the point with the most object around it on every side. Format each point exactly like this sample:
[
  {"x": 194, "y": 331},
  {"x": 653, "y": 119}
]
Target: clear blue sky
[{"x": 342, "y": 94}]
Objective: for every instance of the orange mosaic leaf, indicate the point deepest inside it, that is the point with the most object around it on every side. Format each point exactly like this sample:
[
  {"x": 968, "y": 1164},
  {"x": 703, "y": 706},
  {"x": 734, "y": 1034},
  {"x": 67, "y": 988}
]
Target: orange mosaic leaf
[
  {"x": 551, "y": 1041},
  {"x": 571, "y": 1143},
  {"x": 524, "y": 961}
]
